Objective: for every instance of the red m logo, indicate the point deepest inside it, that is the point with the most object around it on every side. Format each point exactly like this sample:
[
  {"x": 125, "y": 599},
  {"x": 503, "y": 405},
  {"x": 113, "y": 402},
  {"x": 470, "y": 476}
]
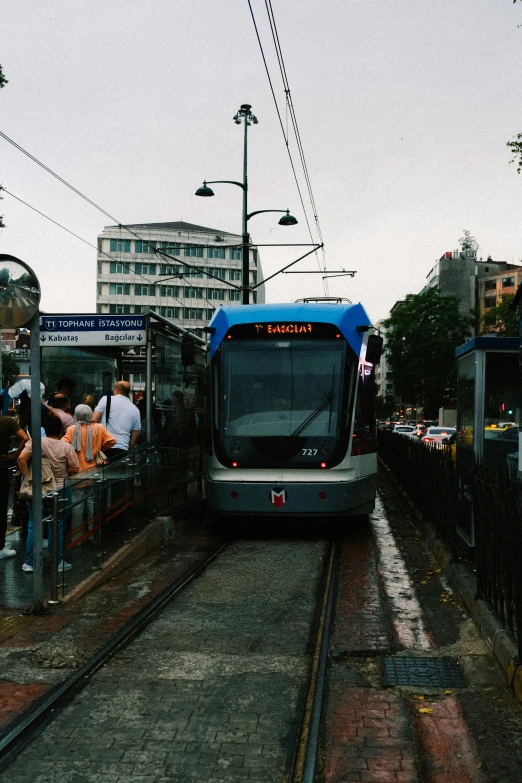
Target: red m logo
[{"x": 278, "y": 497}]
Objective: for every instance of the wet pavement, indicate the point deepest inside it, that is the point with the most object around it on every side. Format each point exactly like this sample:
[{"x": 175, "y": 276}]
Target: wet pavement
[{"x": 214, "y": 689}]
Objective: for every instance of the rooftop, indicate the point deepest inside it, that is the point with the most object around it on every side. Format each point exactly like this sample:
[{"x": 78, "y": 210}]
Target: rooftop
[{"x": 179, "y": 225}]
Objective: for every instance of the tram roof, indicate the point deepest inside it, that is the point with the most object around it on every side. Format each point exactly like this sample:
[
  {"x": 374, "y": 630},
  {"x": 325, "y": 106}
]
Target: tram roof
[{"x": 347, "y": 317}]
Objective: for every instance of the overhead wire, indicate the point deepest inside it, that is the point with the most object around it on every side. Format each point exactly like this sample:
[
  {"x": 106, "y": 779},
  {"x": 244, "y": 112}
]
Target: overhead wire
[
  {"x": 286, "y": 86},
  {"x": 285, "y": 136},
  {"x": 293, "y": 117}
]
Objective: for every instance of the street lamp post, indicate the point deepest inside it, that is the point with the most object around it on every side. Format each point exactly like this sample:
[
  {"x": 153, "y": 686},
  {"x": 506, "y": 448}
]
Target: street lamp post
[{"x": 245, "y": 115}]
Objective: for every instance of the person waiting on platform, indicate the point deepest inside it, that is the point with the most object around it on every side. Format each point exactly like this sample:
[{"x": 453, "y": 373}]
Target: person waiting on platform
[
  {"x": 64, "y": 462},
  {"x": 8, "y": 428},
  {"x": 123, "y": 419},
  {"x": 87, "y": 439},
  {"x": 59, "y": 404}
]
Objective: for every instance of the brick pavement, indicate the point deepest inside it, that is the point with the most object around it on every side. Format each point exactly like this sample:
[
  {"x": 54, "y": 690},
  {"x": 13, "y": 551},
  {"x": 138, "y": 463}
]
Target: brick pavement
[{"x": 208, "y": 692}]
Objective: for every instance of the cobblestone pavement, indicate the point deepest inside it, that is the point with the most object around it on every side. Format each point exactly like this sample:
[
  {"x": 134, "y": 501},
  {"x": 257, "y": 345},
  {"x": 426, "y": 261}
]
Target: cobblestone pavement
[{"x": 209, "y": 692}]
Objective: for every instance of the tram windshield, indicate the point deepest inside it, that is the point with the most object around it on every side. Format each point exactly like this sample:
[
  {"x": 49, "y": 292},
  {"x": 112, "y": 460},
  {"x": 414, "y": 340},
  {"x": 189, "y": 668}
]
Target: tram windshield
[{"x": 282, "y": 389}]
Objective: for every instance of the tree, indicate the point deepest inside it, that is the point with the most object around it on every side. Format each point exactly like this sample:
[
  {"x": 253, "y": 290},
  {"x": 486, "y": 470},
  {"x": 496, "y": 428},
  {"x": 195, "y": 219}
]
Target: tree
[
  {"x": 502, "y": 319},
  {"x": 10, "y": 368},
  {"x": 384, "y": 406},
  {"x": 422, "y": 335}
]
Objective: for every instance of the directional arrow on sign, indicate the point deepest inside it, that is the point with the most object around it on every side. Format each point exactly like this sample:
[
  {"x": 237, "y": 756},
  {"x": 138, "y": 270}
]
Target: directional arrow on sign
[
  {"x": 140, "y": 338},
  {"x": 42, "y": 337}
]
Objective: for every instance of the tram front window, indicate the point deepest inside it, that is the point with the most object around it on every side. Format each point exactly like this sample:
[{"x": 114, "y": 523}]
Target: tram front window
[{"x": 282, "y": 389}]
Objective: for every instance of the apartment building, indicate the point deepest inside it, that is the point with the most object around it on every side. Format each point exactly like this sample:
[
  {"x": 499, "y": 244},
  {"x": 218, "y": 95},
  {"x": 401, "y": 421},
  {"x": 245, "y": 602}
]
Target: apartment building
[
  {"x": 132, "y": 276},
  {"x": 492, "y": 289}
]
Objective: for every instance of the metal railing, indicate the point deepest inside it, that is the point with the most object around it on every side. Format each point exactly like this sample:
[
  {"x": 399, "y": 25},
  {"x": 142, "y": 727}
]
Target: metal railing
[
  {"x": 428, "y": 476},
  {"x": 104, "y": 507}
]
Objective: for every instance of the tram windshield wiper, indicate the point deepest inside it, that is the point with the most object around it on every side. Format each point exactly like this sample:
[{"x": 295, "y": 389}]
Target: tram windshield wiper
[{"x": 328, "y": 400}]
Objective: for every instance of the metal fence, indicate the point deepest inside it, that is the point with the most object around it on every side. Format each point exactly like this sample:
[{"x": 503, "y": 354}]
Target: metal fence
[{"x": 428, "y": 476}]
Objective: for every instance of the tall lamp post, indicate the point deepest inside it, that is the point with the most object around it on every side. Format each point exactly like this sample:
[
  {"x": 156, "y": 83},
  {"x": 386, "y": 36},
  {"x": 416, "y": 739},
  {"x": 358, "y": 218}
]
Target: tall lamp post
[{"x": 245, "y": 115}]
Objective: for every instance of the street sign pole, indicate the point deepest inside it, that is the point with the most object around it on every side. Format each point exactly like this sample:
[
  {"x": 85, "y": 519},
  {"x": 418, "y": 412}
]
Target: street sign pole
[{"x": 36, "y": 462}]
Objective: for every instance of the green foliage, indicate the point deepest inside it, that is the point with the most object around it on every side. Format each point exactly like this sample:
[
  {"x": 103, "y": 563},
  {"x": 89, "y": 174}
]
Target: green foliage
[
  {"x": 516, "y": 150},
  {"x": 421, "y": 339},
  {"x": 3, "y": 80},
  {"x": 502, "y": 319},
  {"x": 10, "y": 368},
  {"x": 384, "y": 406}
]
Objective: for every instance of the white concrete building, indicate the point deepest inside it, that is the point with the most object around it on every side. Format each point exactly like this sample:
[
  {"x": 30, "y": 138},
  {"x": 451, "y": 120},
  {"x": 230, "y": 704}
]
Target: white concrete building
[{"x": 131, "y": 276}]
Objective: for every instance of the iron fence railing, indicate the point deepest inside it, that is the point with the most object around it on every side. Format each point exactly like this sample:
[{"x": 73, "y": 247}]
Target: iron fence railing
[{"x": 428, "y": 476}]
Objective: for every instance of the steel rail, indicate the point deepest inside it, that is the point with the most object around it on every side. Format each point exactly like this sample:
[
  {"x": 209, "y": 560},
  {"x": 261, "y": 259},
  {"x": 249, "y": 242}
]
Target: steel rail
[
  {"x": 305, "y": 758},
  {"x": 20, "y": 734}
]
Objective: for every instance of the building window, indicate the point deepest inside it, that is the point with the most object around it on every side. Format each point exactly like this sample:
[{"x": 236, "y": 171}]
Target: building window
[
  {"x": 235, "y": 254},
  {"x": 490, "y": 285},
  {"x": 170, "y": 312},
  {"x": 235, "y": 274},
  {"x": 169, "y": 247},
  {"x": 192, "y": 313},
  {"x": 169, "y": 270},
  {"x": 145, "y": 247},
  {"x": 100, "y": 289},
  {"x": 508, "y": 282},
  {"x": 169, "y": 290},
  {"x": 144, "y": 290},
  {"x": 490, "y": 301},
  {"x": 137, "y": 308},
  {"x": 144, "y": 269},
  {"x": 215, "y": 252},
  {"x": 120, "y": 245},
  {"x": 221, "y": 274},
  {"x": 193, "y": 293},
  {"x": 194, "y": 251},
  {"x": 216, "y": 293},
  {"x": 118, "y": 269},
  {"x": 119, "y": 289},
  {"x": 234, "y": 296},
  {"x": 210, "y": 313},
  {"x": 119, "y": 308},
  {"x": 192, "y": 272}
]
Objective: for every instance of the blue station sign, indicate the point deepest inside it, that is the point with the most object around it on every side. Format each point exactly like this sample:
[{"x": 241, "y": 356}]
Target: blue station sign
[{"x": 93, "y": 330}]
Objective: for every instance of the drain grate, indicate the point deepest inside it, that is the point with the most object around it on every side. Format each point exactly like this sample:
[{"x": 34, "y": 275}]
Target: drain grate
[{"x": 427, "y": 672}]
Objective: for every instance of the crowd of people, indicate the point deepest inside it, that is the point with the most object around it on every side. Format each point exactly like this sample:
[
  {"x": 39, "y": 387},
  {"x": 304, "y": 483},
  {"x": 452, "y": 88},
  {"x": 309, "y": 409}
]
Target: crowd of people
[{"x": 71, "y": 442}]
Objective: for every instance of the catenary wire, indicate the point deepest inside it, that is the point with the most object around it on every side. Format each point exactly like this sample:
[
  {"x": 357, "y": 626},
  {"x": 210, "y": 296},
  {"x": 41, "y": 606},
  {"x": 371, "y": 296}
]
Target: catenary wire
[
  {"x": 282, "y": 128},
  {"x": 293, "y": 117}
]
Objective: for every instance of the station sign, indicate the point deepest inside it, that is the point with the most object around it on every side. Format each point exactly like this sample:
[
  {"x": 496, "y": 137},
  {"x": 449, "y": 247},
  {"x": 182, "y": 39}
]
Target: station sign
[{"x": 93, "y": 330}]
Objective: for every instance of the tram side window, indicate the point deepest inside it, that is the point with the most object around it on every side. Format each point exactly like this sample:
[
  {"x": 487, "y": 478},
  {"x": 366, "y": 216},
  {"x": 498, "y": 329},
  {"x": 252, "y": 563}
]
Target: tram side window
[{"x": 364, "y": 420}]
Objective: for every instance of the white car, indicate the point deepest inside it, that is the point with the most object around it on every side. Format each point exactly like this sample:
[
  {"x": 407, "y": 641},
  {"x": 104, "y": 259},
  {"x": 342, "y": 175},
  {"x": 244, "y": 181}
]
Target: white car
[
  {"x": 404, "y": 429},
  {"x": 437, "y": 435}
]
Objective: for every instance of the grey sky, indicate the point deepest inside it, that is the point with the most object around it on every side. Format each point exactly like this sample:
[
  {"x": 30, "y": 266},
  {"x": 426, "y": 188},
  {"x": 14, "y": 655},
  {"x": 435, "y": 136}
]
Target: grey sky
[{"x": 404, "y": 109}]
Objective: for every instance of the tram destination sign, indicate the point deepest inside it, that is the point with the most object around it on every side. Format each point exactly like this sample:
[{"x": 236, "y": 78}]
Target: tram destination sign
[
  {"x": 276, "y": 330},
  {"x": 93, "y": 330}
]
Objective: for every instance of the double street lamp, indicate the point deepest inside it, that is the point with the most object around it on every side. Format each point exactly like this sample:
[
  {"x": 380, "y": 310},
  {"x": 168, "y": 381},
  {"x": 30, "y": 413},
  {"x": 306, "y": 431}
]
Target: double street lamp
[{"x": 245, "y": 115}]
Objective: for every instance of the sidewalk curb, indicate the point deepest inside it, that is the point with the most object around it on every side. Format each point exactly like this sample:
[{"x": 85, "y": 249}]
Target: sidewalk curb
[
  {"x": 161, "y": 528},
  {"x": 496, "y": 637}
]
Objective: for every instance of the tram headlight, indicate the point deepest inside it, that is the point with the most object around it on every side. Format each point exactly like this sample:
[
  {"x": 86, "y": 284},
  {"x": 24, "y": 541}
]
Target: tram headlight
[{"x": 323, "y": 449}]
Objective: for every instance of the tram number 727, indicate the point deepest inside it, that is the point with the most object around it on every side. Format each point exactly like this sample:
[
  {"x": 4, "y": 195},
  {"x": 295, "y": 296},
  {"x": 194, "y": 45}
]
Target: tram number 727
[{"x": 309, "y": 452}]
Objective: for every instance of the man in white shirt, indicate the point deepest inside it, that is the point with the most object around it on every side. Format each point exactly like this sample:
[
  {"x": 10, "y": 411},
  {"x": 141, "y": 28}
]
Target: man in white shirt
[{"x": 124, "y": 419}]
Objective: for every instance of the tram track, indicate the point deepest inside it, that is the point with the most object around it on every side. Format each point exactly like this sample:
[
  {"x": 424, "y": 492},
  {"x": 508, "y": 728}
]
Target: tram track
[
  {"x": 306, "y": 756},
  {"x": 34, "y": 720}
]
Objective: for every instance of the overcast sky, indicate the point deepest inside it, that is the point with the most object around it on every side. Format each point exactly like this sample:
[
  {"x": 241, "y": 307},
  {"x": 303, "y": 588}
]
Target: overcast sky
[{"x": 404, "y": 109}]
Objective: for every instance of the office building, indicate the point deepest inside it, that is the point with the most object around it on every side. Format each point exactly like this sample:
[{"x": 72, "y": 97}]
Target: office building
[{"x": 132, "y": 276}]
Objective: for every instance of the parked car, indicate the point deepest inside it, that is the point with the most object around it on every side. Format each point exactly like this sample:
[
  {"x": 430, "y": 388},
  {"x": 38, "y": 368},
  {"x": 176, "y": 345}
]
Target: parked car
[{"x": 437, "y": 435}]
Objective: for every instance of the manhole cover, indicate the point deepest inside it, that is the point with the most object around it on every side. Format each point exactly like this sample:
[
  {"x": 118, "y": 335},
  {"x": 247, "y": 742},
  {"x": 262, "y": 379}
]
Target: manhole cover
[{"x": 427, "y": 672}]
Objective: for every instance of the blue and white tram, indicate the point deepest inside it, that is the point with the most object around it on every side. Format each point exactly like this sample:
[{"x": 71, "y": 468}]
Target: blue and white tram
[{"x": 292, "y": 410}]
